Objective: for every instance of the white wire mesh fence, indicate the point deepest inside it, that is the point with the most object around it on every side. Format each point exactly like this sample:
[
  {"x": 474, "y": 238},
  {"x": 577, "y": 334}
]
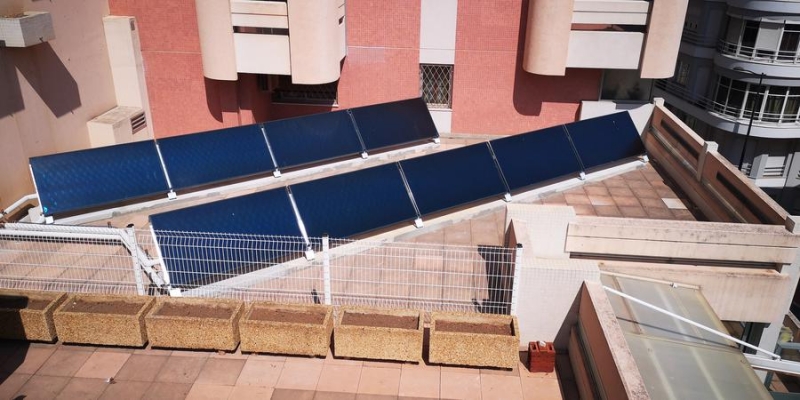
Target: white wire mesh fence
[{"x": 430, "y": 277}]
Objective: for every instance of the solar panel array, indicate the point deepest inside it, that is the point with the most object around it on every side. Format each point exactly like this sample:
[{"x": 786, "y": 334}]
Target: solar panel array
[
  {"x": 358, "y": 202},
  {"x": 108, "y": 176}
]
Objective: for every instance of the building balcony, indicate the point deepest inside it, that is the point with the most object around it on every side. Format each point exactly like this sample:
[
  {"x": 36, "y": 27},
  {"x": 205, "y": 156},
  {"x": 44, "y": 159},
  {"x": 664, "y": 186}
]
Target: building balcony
[
  {"x": 603, "y": 34},
  {"x": 728, "y": 117},
  {"x": 772, "y": 62},
  {"x": 293, "y": 38}
]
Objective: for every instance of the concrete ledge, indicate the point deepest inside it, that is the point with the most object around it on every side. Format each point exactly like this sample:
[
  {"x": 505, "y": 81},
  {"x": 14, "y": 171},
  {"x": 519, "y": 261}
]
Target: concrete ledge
[
  {"x": 28, "y": 315},
  {"x": 378, "y": 342},
  {"x": 268, "y": 334},
  {"x": 474, "y": 349},
  {"x": 104, "y": 320},
  {"x": 194, "y": 323}
]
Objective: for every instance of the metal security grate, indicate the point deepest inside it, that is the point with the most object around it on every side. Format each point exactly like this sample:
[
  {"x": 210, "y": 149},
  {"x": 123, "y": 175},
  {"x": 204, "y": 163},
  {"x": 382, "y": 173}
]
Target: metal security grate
[
  {"x": 436, "y": 85},
  {"x": 284, "y": 91}
]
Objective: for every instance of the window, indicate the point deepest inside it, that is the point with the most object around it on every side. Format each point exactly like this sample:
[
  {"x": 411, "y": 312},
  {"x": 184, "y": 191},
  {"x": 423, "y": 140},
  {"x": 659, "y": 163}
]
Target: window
[
  {"x": 284, "y": 91},
  {"x": 682, "y": 73},
  {"x": 436, "y": 85},
  {"x": 624, "y": 85},
  {"x": 775, "y": 104},
  {"x": 789, "y": 42}
]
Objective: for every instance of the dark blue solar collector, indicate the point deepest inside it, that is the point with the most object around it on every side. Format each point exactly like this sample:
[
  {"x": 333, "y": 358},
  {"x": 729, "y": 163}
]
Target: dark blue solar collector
[
  {"x": 350, "y": 204},
  {"x": 216, "y": 156},
  {"x": 85, "y": 179},
  {"x": 451, "y": 178},
  {"x": 535, "y": 157}
]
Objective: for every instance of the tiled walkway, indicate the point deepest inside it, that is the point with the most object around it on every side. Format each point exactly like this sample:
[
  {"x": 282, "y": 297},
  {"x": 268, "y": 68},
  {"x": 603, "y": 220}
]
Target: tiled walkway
[
  {"x": 41, "y": 371},
  {"x": 642, "y": 193}
]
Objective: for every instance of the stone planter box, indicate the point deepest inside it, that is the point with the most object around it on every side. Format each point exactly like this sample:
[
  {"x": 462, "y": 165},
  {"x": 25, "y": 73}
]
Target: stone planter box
[
  {"x": 286, "y": 329},
  {"x": 478, "y": 340},
  {"x": 103, "y": 320},
  {"x": 194, "y": 323},
  {"x": 26, "y": 29},
  {"x": 28, "y": 315},
  {"x": 378, "y": 334}
]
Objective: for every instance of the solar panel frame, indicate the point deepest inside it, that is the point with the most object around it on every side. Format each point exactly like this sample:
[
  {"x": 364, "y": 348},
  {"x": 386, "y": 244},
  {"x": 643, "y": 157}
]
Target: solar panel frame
[
  {"x": 231, "y": 221},
  {"x": 350, "y": 204},
  {"x": 206, "y": 158},
  {"x": 312, "y": 139},
  {"x": 534, "y": 157},
  {"x": 444, "y": 180},
  {"x": 86, "y": 179},
  {"x": 607, "y": 139},
  {"x": 392, "y": 124}
]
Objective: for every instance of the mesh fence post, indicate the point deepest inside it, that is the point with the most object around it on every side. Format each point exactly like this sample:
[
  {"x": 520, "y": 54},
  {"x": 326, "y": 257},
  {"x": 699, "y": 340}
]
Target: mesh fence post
[
  {"x": 517, "y": 274},
  {"x": 326, "y": 268},
  {"x": 137, "y": 269}
]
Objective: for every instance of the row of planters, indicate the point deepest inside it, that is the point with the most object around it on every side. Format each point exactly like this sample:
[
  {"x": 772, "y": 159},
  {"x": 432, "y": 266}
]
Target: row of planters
[{"x": 216, "y": 324}]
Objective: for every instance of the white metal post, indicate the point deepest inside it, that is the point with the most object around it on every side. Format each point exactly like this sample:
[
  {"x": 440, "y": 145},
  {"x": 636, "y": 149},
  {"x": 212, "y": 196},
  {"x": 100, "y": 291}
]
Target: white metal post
[
  {"x": 137, "y": 269},
  {"x": 517, "y": 274},
  {"x": 326, "y": 269}
]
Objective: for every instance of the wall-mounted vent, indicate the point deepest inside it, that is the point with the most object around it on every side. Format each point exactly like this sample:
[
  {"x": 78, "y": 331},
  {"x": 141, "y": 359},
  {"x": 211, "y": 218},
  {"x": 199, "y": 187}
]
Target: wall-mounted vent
[
  {"x": 138, "y": 122},
  {"x": 117, "y": 125}
]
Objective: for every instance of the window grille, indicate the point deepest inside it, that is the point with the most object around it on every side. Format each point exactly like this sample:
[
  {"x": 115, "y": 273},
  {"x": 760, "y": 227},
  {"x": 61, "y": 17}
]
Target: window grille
[
  {"x": 436, "y": 85},
  {"x": 284, "y": 91}
]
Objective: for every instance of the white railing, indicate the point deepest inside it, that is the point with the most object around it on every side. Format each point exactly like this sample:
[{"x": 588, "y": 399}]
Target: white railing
[
  {"x": 772, "y": 56},
  {"x": 423, "y": 276}
]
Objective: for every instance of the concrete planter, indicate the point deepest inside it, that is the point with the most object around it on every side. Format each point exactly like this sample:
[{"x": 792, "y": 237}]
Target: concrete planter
[
  {"x": 28, "y": 315},
  {"x": 26, "y": 29},
  {"x": 379, "y": 334},
  {"x": 103, "y": 320},
  {"x": 194, "y": 323},
  {"x": 478, "y": 340},
  {"x": 286, "y": 329}
]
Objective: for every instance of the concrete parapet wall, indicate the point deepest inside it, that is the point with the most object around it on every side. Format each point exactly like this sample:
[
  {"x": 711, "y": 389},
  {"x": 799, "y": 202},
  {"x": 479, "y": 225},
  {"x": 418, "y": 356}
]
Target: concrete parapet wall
[
  {"x": 720, "y": 191},
  {"x": 682, "y": 240},
  {"x": 606, "y": 346}
]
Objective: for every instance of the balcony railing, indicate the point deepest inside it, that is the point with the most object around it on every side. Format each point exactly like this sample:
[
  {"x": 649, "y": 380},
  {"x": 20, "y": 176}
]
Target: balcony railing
[
  {"x": 771, "y": 56},
  {"x": 729, "y": 112}
]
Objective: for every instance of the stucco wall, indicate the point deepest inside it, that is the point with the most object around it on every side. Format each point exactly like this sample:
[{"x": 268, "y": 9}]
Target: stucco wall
[
  {"x": 49, "y": 91},
  {"x": 492, "y": 94}
]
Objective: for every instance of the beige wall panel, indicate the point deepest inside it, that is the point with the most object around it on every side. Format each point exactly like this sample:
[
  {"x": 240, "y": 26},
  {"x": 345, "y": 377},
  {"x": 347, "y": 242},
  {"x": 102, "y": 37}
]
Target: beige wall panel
[
  {"x": 605, "y": 50},
  {"x": 260, "y": 21},
  {"x": 547, "y": 37},
  {"x": 683, "y": 250},
  {"x": 258, "y": 7},
  {"x": 684, "y": 231},
  {"x": 314, "y": 41},
  {"x": 216, "y": 39},
  {"x": 262, "y": 54},
  {"x": 50, "y": 90},
  {"x": 663, "y": 38}
]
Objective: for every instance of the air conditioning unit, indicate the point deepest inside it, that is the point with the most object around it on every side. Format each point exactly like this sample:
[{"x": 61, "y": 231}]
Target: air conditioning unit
[
  {"x": 26, "y": 29},
  {"x": 118, "y": 125}
]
